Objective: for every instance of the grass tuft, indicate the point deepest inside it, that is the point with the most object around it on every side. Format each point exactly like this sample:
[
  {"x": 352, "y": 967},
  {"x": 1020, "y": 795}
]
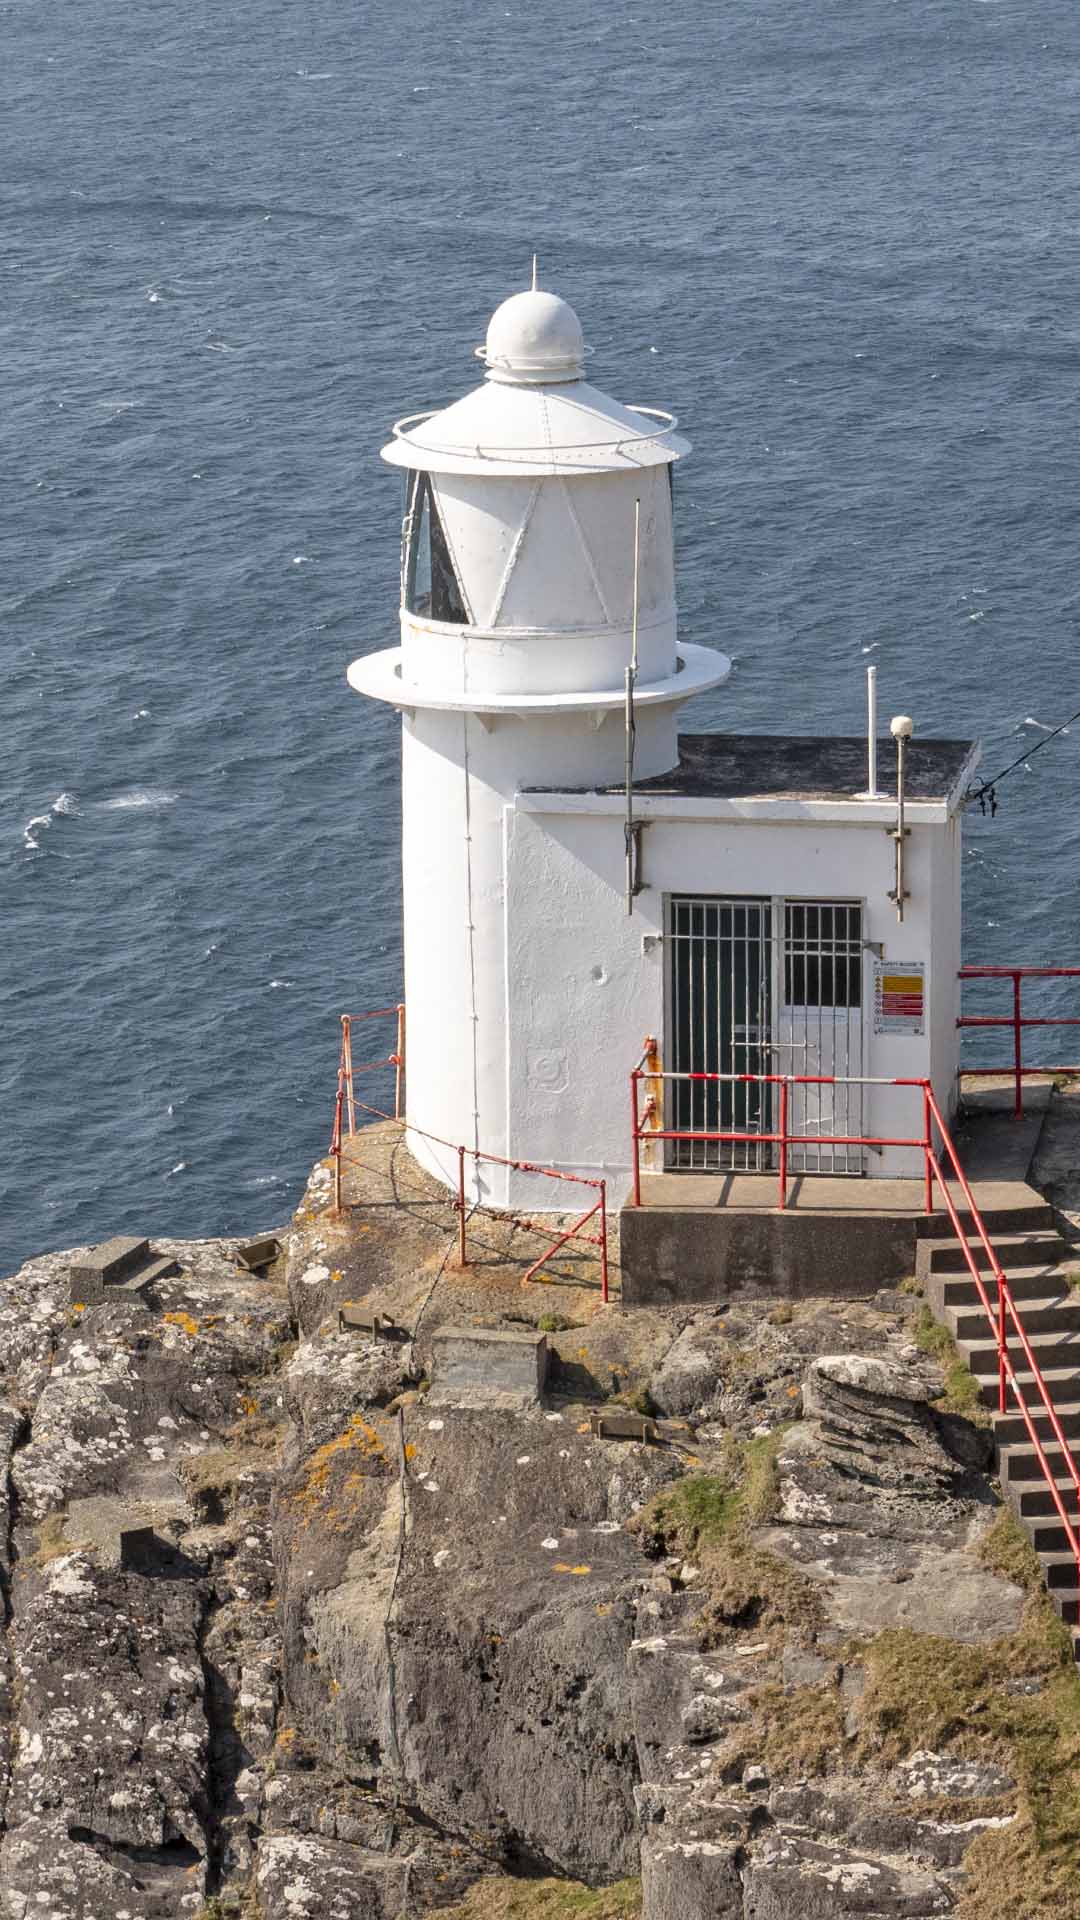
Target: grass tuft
[
  {"x": 709, "y": 1518},
  {"x": 502, "y": 1899},
  {"x": 961, "y": 1390}
]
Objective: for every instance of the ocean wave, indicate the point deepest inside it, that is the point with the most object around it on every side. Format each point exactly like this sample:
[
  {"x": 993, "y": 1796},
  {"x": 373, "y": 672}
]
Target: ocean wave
[
  {"x": 66, "y": 803},
  {"x": 138, "y": 797},
  {"x": 35, "y": 825}
]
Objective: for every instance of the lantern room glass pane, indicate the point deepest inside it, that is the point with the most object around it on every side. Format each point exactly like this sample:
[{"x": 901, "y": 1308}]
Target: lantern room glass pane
[{"x": 431, "y": 586}]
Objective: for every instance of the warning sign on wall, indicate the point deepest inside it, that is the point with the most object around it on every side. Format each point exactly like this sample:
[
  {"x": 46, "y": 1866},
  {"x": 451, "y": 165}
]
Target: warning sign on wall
[{"x": 899, "y": 996}]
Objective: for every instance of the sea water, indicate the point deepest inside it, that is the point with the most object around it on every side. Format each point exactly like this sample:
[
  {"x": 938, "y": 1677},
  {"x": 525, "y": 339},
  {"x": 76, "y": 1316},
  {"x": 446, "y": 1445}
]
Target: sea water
[{"x": 236, "y": 242}]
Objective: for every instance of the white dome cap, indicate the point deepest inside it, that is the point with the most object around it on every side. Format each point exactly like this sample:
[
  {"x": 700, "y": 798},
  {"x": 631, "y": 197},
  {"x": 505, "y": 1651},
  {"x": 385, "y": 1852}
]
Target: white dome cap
[{"x": 534, "y": 338}]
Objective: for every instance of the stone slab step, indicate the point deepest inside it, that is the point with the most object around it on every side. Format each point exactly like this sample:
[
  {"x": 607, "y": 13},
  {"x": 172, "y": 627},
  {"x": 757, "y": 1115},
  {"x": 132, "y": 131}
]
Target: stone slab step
[
  {"x": 158, "y": 1268},
  {"x": 1047, "y": 1313},
  {"x": 1031, "y": 1498},
  {"x": 1035, "y": 1216},
  {"x": 121, "y": 1267},
  {"x": 1017, "y": 1459},
  {"x": 1057, "y": 1351},
  {"x": 111, "y": 1261},
  {"x": 1025, "y": 1283},
  {"x": 1060, "y": 1572},
  {"x": 1049, "y": 1536},
  {"x": 1062, "y": 1384},
  {"x": 1012, "y": 1249}
]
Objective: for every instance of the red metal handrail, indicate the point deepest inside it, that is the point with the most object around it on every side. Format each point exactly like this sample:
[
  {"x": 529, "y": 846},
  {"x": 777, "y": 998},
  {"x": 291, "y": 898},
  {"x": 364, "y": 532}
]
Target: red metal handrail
[
  {"x": 345, "y": 1109},
  {"x": 1017, "y": 1020},
  {"x": 1006, "y": 1315},
  {"x": 781, "y": 1138},
  {"x": 1004, "y": 1319}
]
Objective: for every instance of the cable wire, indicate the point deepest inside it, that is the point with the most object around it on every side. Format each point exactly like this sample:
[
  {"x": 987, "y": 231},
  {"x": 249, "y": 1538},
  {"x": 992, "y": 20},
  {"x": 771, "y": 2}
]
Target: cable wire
[{"x": 986, "y": 791}]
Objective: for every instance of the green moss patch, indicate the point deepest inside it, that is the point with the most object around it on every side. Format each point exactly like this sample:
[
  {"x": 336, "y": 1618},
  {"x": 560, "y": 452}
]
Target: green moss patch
[
  {"x": 961, "y": 1390},
  {"x": 547, "y": 1900},
  {"x": 709, "y": 1518}
]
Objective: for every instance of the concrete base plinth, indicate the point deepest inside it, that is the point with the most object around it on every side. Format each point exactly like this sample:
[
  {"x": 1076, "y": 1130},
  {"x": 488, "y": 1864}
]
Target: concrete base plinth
[{"x": 690, "y": 1256}]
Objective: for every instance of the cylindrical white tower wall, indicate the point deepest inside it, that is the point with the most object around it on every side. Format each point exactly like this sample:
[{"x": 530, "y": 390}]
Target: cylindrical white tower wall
[{"x": 458, "y": 778}]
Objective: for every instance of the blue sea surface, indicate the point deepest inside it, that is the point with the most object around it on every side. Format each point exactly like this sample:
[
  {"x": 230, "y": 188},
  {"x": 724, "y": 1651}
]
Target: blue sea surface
[{"x": 235, "y": 242}]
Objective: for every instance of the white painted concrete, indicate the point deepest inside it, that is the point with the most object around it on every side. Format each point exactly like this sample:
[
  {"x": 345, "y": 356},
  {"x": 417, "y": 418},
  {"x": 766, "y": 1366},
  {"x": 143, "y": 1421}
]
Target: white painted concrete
[
  {"x": 529, "y": 989},
  {"x": 582, "y": 1009}
]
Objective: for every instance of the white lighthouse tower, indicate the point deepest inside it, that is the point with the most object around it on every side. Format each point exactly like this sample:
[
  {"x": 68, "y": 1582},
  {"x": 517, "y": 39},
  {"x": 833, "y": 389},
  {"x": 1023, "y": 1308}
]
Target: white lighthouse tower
[{"x": 517, "y": 623}]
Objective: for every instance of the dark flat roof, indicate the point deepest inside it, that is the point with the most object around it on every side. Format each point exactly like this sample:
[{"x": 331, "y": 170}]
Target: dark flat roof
[{"x": 741, "y": 766}]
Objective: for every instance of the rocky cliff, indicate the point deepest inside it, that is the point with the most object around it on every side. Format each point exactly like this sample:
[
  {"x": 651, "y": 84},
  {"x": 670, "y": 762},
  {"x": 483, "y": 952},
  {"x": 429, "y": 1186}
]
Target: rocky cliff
[{"x": 292, "y": 1634}]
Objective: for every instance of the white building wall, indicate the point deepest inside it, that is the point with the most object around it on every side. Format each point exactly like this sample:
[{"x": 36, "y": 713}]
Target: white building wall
[
  {"x": 582, "y": 993},
  {"x": 948, "y": 958}
]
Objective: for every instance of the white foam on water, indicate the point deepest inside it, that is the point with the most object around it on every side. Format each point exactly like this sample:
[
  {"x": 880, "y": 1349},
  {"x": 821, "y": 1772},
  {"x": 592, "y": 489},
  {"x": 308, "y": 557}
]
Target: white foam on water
[
  {"x": 138, "y": 797},
  {"x": 143, "y": 713},
  {"x": 180, "y": 1167},
  {"x": 281, "y": 983},
  {"x": 35, "y": 825},
  {"x": 66, "y": 803},
  {"x": 301, "y": 559}
]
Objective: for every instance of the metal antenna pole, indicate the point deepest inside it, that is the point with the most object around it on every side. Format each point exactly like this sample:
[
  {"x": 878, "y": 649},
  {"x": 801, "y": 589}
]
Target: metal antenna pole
[
  {"x": 631, "y": 677},
  {"x": 901, "y": 729},
  {"x": 871, "y": 734}
]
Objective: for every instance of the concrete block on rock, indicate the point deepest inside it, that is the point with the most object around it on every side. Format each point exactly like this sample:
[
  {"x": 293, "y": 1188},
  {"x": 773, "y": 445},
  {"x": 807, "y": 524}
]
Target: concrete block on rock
[{"x": 482, "y": 1366}]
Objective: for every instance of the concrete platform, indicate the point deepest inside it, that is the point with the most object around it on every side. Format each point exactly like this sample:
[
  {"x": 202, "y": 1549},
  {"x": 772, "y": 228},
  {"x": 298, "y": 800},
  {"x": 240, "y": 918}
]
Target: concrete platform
[{"x": 702, "y": 1238}]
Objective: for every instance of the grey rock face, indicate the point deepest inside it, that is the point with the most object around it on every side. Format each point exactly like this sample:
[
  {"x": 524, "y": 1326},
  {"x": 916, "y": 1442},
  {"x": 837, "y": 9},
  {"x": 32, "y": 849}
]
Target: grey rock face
[{"x": 371, "y": 1648}]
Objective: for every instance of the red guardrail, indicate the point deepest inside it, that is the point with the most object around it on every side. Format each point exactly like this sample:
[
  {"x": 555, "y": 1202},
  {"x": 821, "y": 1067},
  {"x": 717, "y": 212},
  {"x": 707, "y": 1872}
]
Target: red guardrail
[
  {"x": 780, "y": 1137},
  {"x": 345, "y": 1109},
  {"x": 1005, "y": 1322},
  {"x": 1018, "y": 1021},
  {"x": 1004, "y": 1319}
]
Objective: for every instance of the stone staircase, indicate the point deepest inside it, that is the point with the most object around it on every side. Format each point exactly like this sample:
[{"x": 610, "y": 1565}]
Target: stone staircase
[
  {"x": 120, "y": 1267},
  {"x": 1038, "y": 1264}
]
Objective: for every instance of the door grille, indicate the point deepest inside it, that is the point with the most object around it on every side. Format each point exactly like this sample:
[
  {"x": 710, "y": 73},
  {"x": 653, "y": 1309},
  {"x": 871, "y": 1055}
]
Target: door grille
[{"x": 721, "y": 998}]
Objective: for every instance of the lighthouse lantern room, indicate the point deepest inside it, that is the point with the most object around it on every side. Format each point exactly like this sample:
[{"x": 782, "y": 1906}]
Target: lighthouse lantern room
[{"x": 783, "y": 921}]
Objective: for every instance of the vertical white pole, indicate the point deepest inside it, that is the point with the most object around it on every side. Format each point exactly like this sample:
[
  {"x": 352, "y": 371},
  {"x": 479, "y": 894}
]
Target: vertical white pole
[
  {"x": 871, "y": 734},
  {"x": 631, "y": 676}
]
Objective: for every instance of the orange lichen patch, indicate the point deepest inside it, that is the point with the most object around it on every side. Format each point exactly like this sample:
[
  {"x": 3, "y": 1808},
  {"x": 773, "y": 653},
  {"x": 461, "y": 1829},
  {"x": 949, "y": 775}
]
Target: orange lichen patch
[
  {"x": 336, "y": 1274},
  {"x": 562, "y": 1567},
  {"x": 248, "y": 1406},
  {"x": 184, "y": 1321},
  {"x": 78, "y": 1306},
  {"x": 410, "y": 1450},
  {"x": 313, "y": 1495}
]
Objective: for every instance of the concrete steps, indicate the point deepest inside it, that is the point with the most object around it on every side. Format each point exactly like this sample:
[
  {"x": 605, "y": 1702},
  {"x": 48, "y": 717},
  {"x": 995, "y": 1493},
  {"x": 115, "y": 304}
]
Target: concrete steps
[
  {"x": 123, "y": 1266},
  {"x": 1037, "y": 1263}
]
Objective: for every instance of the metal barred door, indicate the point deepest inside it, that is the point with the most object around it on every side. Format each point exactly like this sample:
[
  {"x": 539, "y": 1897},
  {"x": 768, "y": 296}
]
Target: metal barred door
[
  {"x": 721, "y": 987},
  {"x": 819, "y": 1027}
]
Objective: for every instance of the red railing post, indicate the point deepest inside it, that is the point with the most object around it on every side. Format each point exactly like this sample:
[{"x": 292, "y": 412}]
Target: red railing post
[
  {"x": 346, "y": 1061},
  {"x": 603, "y": 1243},
  {"x": 928, "y": 1146},
  {"x": 783, "y": 1143},
  {"x": 635, "y": 1134},
  {"x": 1018, "y": 1048},
  {"x": 335, "y": 1138},
  {"x": 462, "y": 1260},
  {"x": 1002, "y": 1338},
  {"x": 399, "y": 1061}
]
